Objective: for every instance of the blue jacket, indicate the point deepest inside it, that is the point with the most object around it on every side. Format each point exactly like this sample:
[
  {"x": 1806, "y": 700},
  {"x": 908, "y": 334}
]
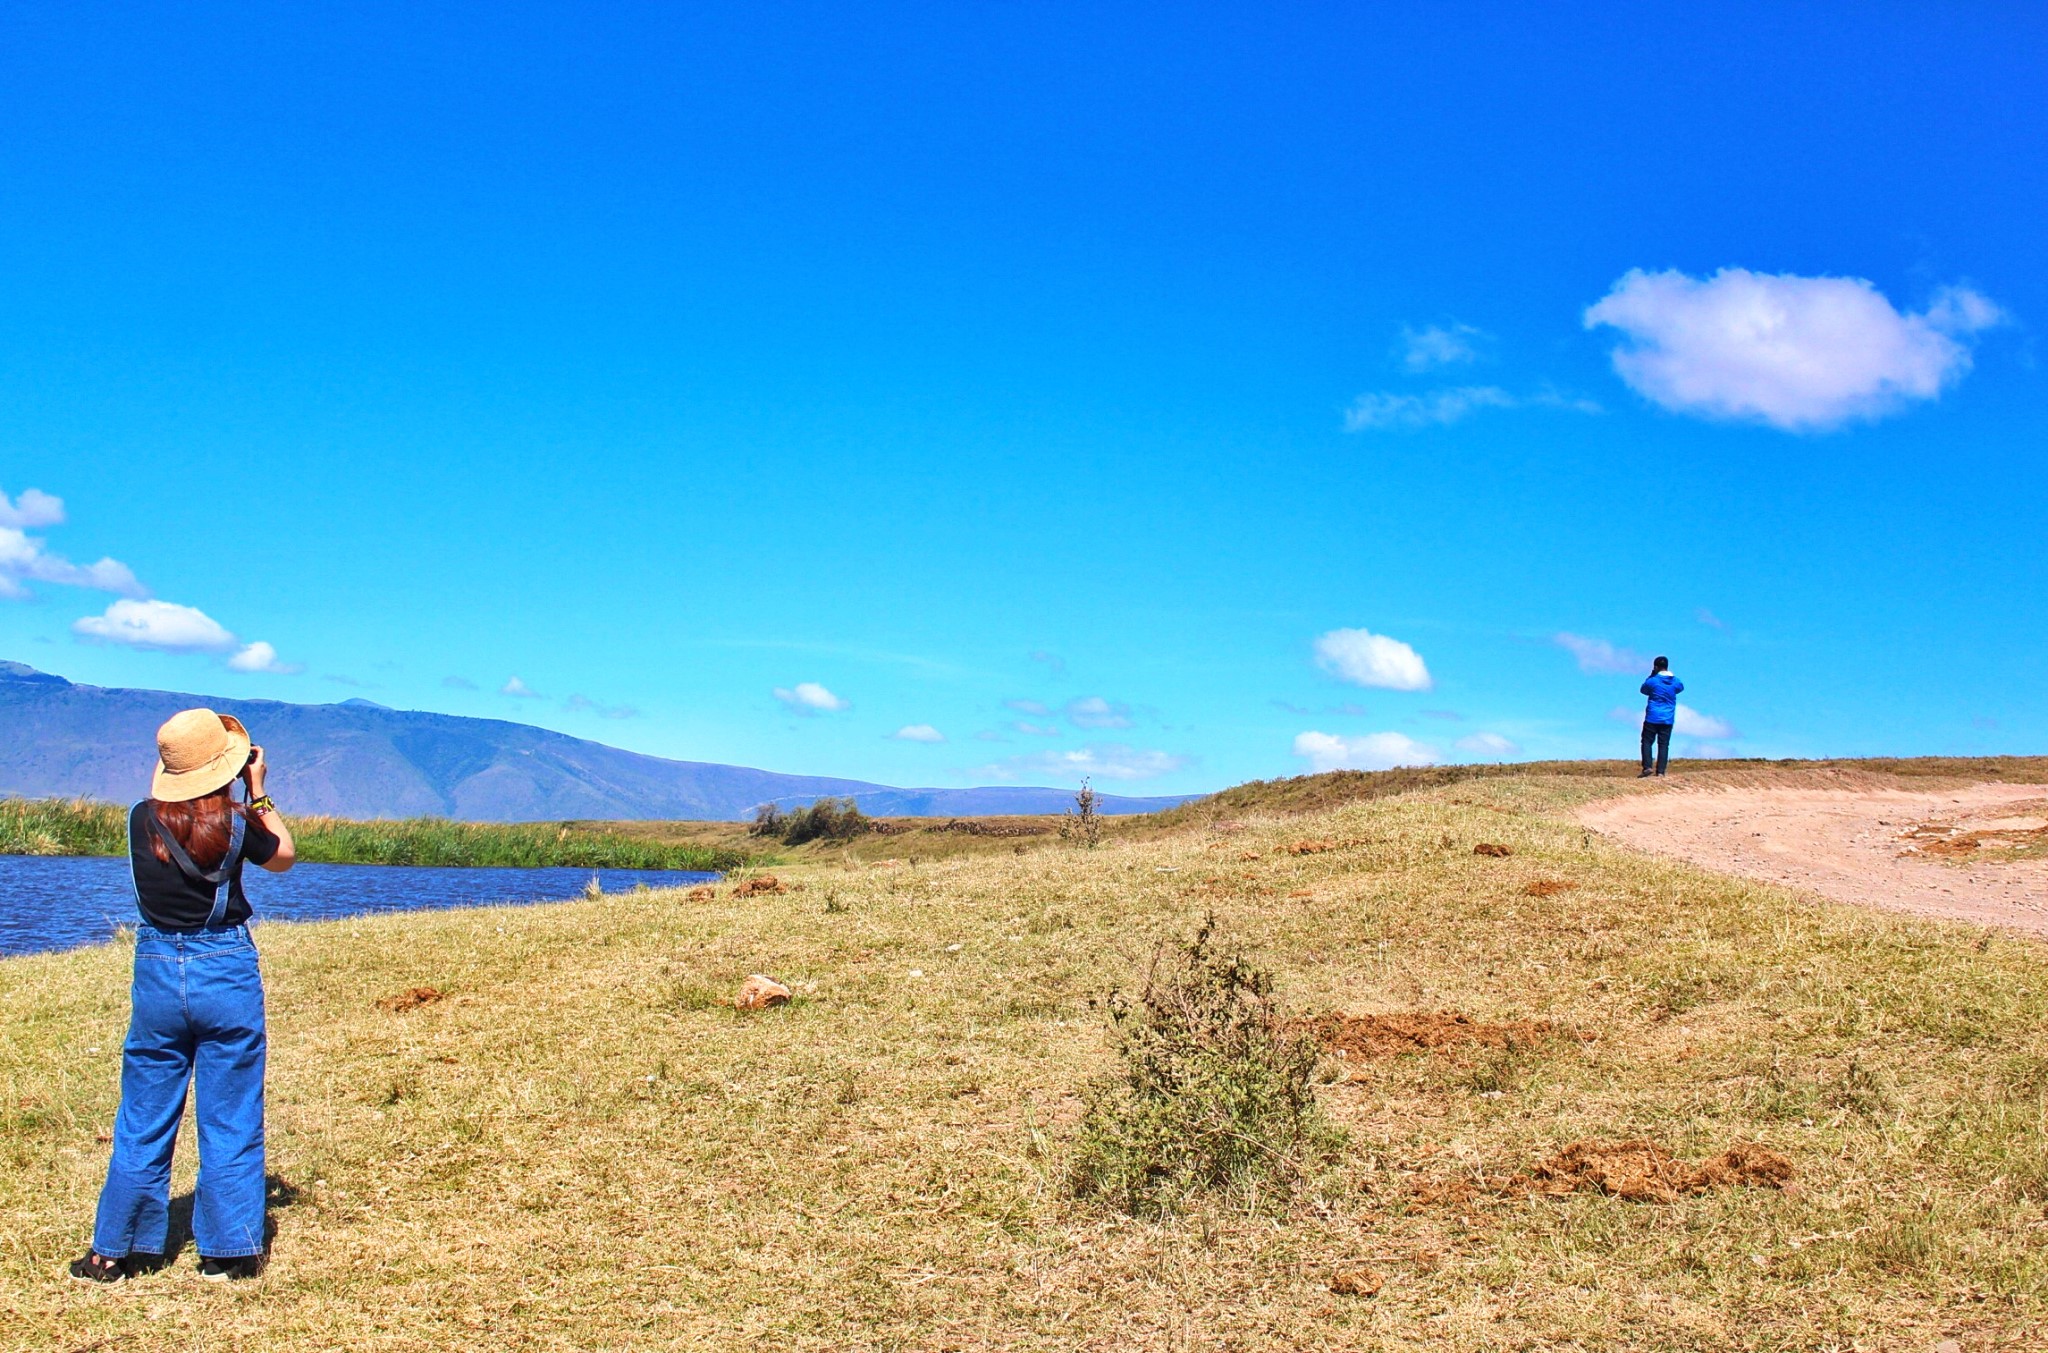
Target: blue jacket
[{"x": 1663, "y": 690}]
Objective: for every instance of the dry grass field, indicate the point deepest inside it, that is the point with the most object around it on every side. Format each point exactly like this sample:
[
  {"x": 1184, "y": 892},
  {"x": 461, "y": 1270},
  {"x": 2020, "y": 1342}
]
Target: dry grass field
[{"x": 579, "y": 1147}]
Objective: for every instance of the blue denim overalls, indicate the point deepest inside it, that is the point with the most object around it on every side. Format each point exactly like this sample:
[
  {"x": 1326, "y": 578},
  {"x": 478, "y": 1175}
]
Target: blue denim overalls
[{"x": 198, "y": 1018}]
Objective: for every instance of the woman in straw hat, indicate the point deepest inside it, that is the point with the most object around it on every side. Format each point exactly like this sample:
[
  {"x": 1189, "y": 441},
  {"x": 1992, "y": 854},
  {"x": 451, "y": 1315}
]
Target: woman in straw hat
[{"x": 198, "y": 1007}]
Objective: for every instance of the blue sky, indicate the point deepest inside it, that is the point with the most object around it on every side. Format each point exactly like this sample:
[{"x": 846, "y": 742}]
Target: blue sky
[{"x": 1175, "y": 394}]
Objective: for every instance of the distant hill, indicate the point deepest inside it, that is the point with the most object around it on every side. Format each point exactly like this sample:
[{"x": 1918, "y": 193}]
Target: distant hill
[{"x": 359, "y": 759}]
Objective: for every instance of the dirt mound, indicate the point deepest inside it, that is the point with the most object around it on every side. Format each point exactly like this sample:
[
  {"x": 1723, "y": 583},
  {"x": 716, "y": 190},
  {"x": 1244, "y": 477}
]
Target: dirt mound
[
  {"x": 1310, "y": 847},
  {"x": 759, "y": 887},
  {"x": 968, "y": 826},
  {"x": 1356, "y": 1282},
  {"x": 760, "y": 992},
  {"x": 701, "y": 894},
  {"x": 412, "y": 998},
  {"x": 1644, "y": 1172},
  {"x": 1494, "y": 849},
  {"x": 1549, "y": 887},
  {"x": 1371, "y": 1036}
]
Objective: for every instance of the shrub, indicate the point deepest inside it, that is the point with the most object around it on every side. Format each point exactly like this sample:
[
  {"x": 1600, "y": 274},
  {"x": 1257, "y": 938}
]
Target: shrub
[
  {"x": 1215, "y": 1093},
  {"x": 1083, "y": 822},
  {"x": 824, "y": 820}
]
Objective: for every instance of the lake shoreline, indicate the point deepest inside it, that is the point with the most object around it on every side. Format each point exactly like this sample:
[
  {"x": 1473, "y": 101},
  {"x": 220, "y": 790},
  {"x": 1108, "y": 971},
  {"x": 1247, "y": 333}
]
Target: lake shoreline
[
  {"x": 66, "y": 902},
  {"x": 53, "y": 828}
]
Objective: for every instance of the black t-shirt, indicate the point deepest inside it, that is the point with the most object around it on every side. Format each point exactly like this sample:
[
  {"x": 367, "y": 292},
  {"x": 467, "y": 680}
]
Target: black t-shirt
[{"x": 171, "y": 901}]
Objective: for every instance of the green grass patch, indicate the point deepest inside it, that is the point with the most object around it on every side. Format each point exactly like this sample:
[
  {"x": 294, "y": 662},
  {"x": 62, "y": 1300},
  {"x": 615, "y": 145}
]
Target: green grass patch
[{"x": 84, "y": 827}]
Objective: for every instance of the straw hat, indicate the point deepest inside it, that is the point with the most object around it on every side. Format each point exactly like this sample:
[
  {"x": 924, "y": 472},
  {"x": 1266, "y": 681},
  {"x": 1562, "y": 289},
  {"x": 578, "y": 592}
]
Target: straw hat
[{"x": 197, "y": 752}]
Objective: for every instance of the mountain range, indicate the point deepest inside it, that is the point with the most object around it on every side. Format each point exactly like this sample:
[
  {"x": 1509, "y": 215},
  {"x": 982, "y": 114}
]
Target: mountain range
[{"x": 359, "y": 759}]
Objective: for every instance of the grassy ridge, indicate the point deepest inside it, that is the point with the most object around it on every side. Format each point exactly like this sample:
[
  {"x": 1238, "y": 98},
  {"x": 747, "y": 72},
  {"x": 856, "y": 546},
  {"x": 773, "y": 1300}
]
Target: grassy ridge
[
  {"x": 83, "y": 827},
  {"x": 581, "y": 1148}
]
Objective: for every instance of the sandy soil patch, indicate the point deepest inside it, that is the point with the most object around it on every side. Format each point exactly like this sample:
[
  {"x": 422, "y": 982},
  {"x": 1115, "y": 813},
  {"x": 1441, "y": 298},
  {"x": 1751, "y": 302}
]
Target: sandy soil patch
[{"x": 1865, "y": 846}]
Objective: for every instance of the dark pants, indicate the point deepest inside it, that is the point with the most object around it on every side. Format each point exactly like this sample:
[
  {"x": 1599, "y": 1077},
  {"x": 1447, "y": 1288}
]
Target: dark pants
[{"x": 1658, "y": 736}]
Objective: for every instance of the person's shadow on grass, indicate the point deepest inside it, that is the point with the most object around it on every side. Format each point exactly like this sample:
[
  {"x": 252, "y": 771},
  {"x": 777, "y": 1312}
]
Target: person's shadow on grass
[{"x": 278, "y": 1193}]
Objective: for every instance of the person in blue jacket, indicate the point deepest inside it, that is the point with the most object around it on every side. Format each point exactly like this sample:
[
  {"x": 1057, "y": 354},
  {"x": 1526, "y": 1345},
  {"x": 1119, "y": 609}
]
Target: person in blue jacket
[{"x": 1659, "y": 714}]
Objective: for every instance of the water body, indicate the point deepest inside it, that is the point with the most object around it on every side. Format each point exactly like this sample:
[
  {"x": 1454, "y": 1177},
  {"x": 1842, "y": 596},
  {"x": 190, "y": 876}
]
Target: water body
[{"x": 61, "y": 902}]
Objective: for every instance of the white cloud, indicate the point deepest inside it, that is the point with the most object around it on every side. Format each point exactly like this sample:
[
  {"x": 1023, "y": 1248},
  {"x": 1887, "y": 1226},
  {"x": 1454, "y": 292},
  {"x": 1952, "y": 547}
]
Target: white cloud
[
  {"x": 582, "y": 704},
  {"x": 1372, "y": 751},
  {"x": 1693, "y": 724},
  {"x": 1034, "y": 708},
  {"x": 918, "y": 732},
  {"x": 1688, "y": 723},
  {"x": 1597, "y": 655},
  {"x": 458, "y": 683},
  {"x": 1440, "y": 345},
  {"x": 24, "y": 559},
  {"x": 1092, "y": 711},
  {"x": 1438, "y": 408},
  {"x": 261, "y": 657},
  {"x": 1367, "y": 659},
  {"x": 1488, "y": 744},
  {"x": 32, "y": 509},
  {"x": 1800, "y": 353},
  {"x": 808, "y": 697},
  {"x": 1108, "y": 761},
  {"x": 162, "y": 625},
  {"x": 518, "y": 689},
  {"x": 1034, "y": 730},
  {"x": 1385, "y": 409}
]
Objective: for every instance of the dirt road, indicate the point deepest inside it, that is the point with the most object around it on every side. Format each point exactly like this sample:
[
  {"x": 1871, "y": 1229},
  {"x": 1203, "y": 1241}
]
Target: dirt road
[{"x": 1940, "y": 854}]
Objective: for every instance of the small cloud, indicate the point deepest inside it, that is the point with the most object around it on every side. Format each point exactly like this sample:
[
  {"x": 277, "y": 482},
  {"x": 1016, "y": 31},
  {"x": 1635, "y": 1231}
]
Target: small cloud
[
  {"x": 1599, "y": 656},
  {"x": 1372, "y": 751},
  {"x": 1693, "y": 724},
  {"x": 1383, "y": 410},
  {"x": 518, "y": 690},
  {"x": 808, "y": 697},
  {"x": 457, "y": 683},
  {"x": 1053, "y": 662},
  {"x": 1034, "y": 730},
  {"x": 1289, "y": 707},
  {"x": 161, "y": 625},
  {"x": 583, "y": 704},
  {"x": 1447, "y": 715},
  {"x": 23, "y": 559},
  {"x": 1094, "y": 712},
  {"x": 1034, "y": 708},
  {"x": 1439, "y": 345},
  {"x": 918, "y": 732},
  {"x": 1689, "y": 723},
  {"x": 1709, "y": 619},
  {"x": 1488, "y": 744},
  {"x": 349, "y": 681},
  {"x": 1802, "y": 354},
  {"x": 1439, "y": 408},
  {"x": 31, "y": 510},
  {"x": 1367, "y": 659},
  {"x": 989, "y": 735},
  {"x": 261, "y": 657},
  {"x": 1111, "y": 761}
]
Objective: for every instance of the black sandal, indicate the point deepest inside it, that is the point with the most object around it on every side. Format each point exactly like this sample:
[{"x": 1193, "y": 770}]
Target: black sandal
[
  {"x": 97, "y": 1268},
  {"x": 240, "y": 1268}
]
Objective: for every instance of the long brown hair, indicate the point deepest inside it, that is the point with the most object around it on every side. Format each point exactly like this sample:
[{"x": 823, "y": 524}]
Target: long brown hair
[{"x": 202, "y": 826}]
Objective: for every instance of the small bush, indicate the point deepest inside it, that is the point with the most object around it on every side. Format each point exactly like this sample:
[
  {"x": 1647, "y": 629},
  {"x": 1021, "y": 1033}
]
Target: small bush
[
  {"x": 1083, "y": 822},
  {"x": 825, "y": 820},
  {"x": 1215, "y": 1093}
]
